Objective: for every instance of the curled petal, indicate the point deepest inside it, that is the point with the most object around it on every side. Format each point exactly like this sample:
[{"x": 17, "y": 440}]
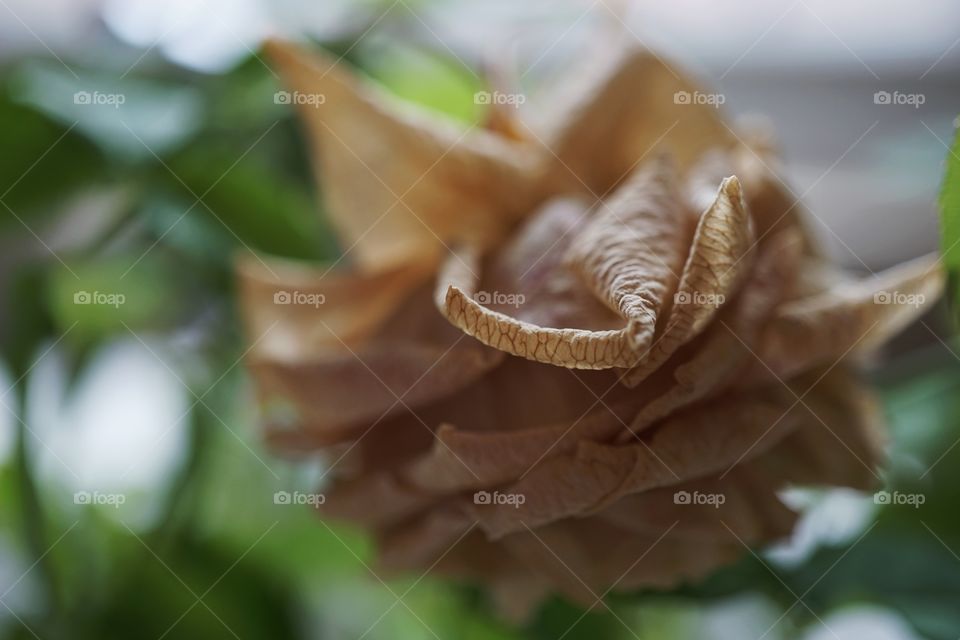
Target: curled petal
[
  {"x": 727, "y": 346},
  {"x": 572, "y": 348},
  {"x": 633, "y": 248},
  {"x": 859, "y": 316},
  {"x": 720, "y": 256}
]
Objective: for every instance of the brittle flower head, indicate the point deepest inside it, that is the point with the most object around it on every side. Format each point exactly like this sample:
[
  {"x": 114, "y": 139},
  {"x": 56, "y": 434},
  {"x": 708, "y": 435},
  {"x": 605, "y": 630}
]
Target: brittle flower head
[{"x": 575, "y": 355}]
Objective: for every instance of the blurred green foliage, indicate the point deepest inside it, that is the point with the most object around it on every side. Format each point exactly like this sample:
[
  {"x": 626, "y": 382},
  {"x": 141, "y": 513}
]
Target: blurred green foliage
[{"x": 950, "y": 213}]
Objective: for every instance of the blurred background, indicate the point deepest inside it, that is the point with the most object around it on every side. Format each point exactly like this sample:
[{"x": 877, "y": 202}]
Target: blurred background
[{"x": 141, "y": 147}]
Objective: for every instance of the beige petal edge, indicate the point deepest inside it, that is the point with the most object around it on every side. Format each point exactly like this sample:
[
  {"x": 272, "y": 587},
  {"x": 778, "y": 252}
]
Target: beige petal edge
[{"x": 571, "y": 348}]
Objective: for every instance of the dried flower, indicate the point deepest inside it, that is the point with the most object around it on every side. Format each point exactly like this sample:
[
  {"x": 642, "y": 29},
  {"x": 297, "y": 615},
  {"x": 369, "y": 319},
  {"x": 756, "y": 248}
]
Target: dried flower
[{"x": 578, "y": 358}]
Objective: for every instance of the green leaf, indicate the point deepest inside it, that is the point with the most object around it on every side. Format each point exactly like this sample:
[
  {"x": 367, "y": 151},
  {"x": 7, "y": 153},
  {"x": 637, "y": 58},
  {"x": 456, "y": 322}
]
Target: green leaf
[
  {"x": 130, "y": 117},
  {"x": 103, "y": 296},
  {"x": 950, "y": 208},
  {"x": 41, "y": 161},
  {"x": 248, "y": 203},
  {"x": 27, "y": 324}
]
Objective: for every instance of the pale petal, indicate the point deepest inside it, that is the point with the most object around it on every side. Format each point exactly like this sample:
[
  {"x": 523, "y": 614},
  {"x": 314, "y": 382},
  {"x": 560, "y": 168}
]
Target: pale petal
[
  {"x": 846, "y": 318},
  {"x": 623, "y": 107},
  {"x": 400, "y": 182},
  {"x": 294, "y": 311}
]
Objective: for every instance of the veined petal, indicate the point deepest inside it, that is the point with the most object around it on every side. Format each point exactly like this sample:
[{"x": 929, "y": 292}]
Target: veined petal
[
  {"x": 720, "y": 256},
  {"x": 632, "y": 249}
]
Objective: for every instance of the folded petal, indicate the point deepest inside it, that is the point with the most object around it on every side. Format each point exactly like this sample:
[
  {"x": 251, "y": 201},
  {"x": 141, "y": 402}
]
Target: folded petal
[
  {"x": 344, "y": 389},
  {"x": 727, "y": 346},
  {"x": 687, "y": 445},
  {"x": 459, "y": 300},
  {"x": 839, "y": 441},
  {"x": 743, "y": 503},
  {"x": 720, "y": 256},
  {"x": 847, "y": 317},
  {"x": 632, "y": 249},
  {"x": 400, "y": 182},
  {"x": 294, "y": 311},
  {"x": 630, "y": 104}
]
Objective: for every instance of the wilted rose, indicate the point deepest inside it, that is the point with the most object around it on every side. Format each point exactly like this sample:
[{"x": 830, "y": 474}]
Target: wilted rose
[{"x": 580, "y": 356}]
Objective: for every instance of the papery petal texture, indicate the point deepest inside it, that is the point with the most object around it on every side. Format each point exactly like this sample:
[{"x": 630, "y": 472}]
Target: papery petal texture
[{"x": 575, "y": 354}]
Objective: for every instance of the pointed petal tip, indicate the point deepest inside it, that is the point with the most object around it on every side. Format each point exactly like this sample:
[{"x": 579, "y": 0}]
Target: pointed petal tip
[{"x": 732, "y": 188}]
